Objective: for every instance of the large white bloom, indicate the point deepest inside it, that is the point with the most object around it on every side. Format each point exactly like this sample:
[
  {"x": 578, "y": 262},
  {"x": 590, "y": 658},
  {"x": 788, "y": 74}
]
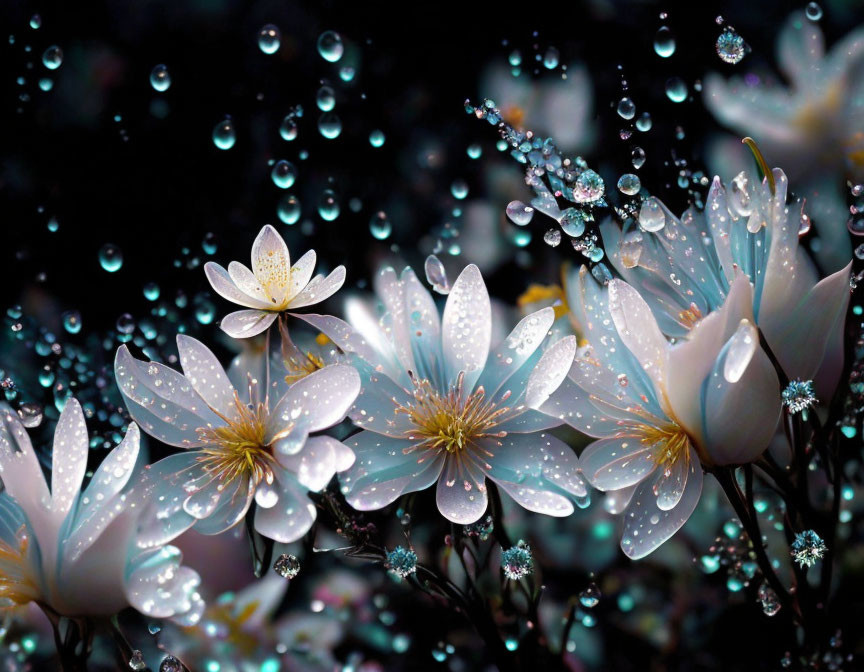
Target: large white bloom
[
  {"x": 662, "y": 410},
  {"x": 438, "y": 407},
  {"x": 813, "y": 127},
  {"x": 75, "y": 552},
  {"x": 271, "y": 287},
  {"x": 238, "y": 448},
  {"x": 685, "y": 271}
]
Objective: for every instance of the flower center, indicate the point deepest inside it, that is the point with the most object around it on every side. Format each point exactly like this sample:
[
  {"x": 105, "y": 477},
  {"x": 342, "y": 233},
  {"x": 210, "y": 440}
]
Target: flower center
[
  {"x": 17, "y": 584},
  {"x": 301, "y": 366},
  {"x": 239, "y": 448},
  {"x": 670, "y": 443},
  {"x": 453, "y": 421},
  {"x": 688, "y": 318}
]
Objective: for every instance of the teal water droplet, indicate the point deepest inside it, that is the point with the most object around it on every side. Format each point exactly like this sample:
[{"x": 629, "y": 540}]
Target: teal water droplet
[
  {"x": 459, "y": 189},
  {"x": 328, "y": 206},
  {"x": 289, "y": 209},
  {"x": 205, "y": 311},
  {"x": 573, "y": 222},
  {"x": 551, "y": 58},
  {"x": 376, "y": 138},
  {"x": 629, "y": 184},
  {"x": 209, "y": 244},
  {"x": 151, "y": 291},
  {"x": 347, "y": 73},
  {"x": 125, "y": 324},
  {"x": 330, "y": 125},
  {"x": 53, "y": 57},
  {"x": 53, "y": 225},
  {"x": 626, "y": 108},
  {"x": 160, "y": 78},
  {"x": 269, "y": 39},
  {"x": 644, "y": 123},
  {"x": 288, "y": 128},
  {"x": 813, "y": 11},
  {"x": 36, "y": 22},
  {"x": 664, "y": 42},
  {"x": 379, "y": 226},
  {"x": 224, "y": 135},
  {"x": 519, "y": 213},
  {"x": 325, "y": 99},
  {"x": 676, "y": 90},
  {"x": 515, "y": 58},
  {"x": 111, "y": 258},
  {"x": 330, "y": 46},
  {"x": 46, "y": 84},
  {"x": 284, "y": 174},
  {"x": 72, "y": 321},
  {"x": 474, "y": 151},
  {"x": 730, "y": 47}
]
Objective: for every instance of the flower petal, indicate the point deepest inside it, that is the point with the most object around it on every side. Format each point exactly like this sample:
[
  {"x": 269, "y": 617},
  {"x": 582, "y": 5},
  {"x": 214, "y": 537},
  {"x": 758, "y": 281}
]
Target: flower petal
[
  {"x": 638, "y": 330},
  {"x": 271, "y": 264},
  {"x": 19, "y": 467},
  {"x": 612, "y": 464},
  {"x": 291, "y": 517},
  {"x": 550, "y": 372},
  {"x": 319, "y": 289},
  {"x": 224, "y": 286},
  {"x": 461, "y": 493},
  {"x": 247, "y": 323},
  {"x": 466, "y": 327},
  {"x": 207, "y": 376},
  {"x": 69, "y": 461},
  {"x": 301, "y": 273},
  {"x": 159, "y": 587}
]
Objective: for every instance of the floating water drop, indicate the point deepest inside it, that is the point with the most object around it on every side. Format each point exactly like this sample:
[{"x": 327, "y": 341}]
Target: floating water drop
[
  {"x": 629, "y": 184},
  {"x": 551, "y": 58},
  {"x": 664, "y": 42},
  {"x": 651, "y": 215},
  {"x": 731, "y": 47},
  {"x": 630, "y": 251},
  {"x": 637, "y": 157},
  {"x": 110, "y": 258},
  {"x": 289, "y": 209},
  {"x": 813, "y": 11},
  {"x": 224, "y": 135},
  {"x": 31, "y": 414},
  {"x": 171, "y": 664},
  {"x": 515, "y": 58},
  {"x": 53, "y": 57},
  {"x": 573, "y": 222},
  {"x": 474, "y": 151},
  {"x": 626, "y": 108},
  {"x": 676, "y": 90},
  {"x": 160, "y": 78},
  {"x": 347, "y": 73},
  {"x": 589, "y": 187},
  {"x": 269, "y": 39},
  {"x": 330, "y": 46},
  {"x": 72, "y": 321},
  {"x": 288, "y": 128},
  {"x": 459, "y": 189},
  {"x": 552, "y": 237},
  {"x": 376, "y": 138},
  {"x": 36, "y": 22},
  {"x": 644, "y": 123},
  {"x": 46, "y": 84},
  {"x": 136, "y": 662},
  {"x": 590, "y": 597},
  {"x": 125, "y": 324},
  {"x": 330, "y": 125},
  {"x": 436, "y": 275},
  {"x": 287, "y": 566},
  {"x": 379, "y": 226},
  {"x": 769, "y": 600},
  {"x": 151, "y": 291},
  {"x": 283, "y": 174},
  {"x": 519, "y": 213},
  {"x": 328, "y": 206},
  {"x": 325, "y": 99}
]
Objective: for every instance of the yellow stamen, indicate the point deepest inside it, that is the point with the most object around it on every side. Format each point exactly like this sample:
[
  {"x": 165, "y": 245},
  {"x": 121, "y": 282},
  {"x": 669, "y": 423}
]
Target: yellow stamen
[
  {"x": 18, "y": 586},
  {"x": 300, "y": 367}
]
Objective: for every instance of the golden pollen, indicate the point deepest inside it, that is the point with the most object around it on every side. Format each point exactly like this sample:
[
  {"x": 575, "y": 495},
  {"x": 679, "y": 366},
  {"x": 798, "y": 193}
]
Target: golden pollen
[
  {"x": 238, "y": 448},
  {"x": 688, "y": 318},
  {"x": 453, "y": 421},
  {"x": 18, "y": 586},
  {"x": 670, "y": 442},
  {"x": 301, "y": 366}
]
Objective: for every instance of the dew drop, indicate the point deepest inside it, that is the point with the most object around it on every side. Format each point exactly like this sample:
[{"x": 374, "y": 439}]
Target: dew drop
[
  {"x": 551, "y": 58},
  {"x": 459, "y": 189},
  {"x": 288, "y": 209},
  {"x": 110, "y": 257},
  {"x": 813, "y": 11},
  {"x": 269, "y": 39},
  {"x": 287, "y": 566},
  {"x": 436, "y": 275},
  {"x": 573, "y": 222},
  {"x": 552, "y": 237},
  {"x": 676, "y": 90},
  {"x": 664, "y": 42},
  {"x": 380, "y": 226},
  {"x": 72, "y": 321},
  {"x": 644, "y": 123},
  {"x": 284, "y": 174},
  {"x": 629, "y": 184},
  {"x": 224, "y": 135},
  {"x": 376, "y": 138},
  {"x": 637, "y": 157},
  {"x": 590, "y": 597},
  {"x": 589, "y": 187},
  {"x": 519, "y": 213},
  {"x": 53, "y": 57},
  {"x": 651, "y": 215},
  {"x": 125, "y": 324},
  {"x": 325, "y": 99},
  {"x": 328, "y": 205},
  {"x": 288, "y": 128},
  {"x": 330, "y": 125},
  {"x": 626, "y": 108},
  {"x": 330, "y": 46},
  {"x": 731, "y": 47},
  {"x": 160, "y": 78}
]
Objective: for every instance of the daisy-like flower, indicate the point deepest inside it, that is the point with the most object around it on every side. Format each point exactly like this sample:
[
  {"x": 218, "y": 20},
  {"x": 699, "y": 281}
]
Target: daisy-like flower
[
  {"x": 813, "y": 127},
  {"x": 237, "y": 448},
  {"x": 685, "y": 270},
  {"x": 662, "y": 411},
  {"x": 74, "y": 553},
  {"x": 437, "y": 406},
  {"x": 271, "y": 287}
]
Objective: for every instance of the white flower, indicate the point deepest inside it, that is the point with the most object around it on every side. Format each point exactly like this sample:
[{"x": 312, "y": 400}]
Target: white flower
[
  {"x": 75, "y": 552},
  {"x": 661, "y": 410},
  {"x": 238, "y": 448},
  {"x": 813, "y": 127},
  {"x": 271, "y": 287},
  {"x": 685, "y": 271},
  {"x": 438, "y": 407}
]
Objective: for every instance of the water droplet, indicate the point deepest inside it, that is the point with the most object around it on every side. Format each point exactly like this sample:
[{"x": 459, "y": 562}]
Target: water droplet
[
  {"x": 288, "y": 209},
  {"x": 436, "y": 275},
  {"x": 31, "y": 414},
  {"x": 740, "y": 350},
  {"x": 859, "y": 251},
  {"x": 328, "y": 206},
  {"x": 590, "y": 597},
  {"x": 552, "y": 237},
  {"x": 626, "y": 108},
  {"x": 347, "y": 73},
  {"x": 160, "y": 78},
  {"x": 284, "y": 174},
  {"x": 330, "y": 46},
  {"x": 651, "y": 215},
  {"x": 288, "y": 128},
  {"x": 224, "y": 135},
  {"x": 125, "y": 324},
  {"x": 53, "y": 57},
  {"x": 269, "y": 38},
  {"x": 171, "y": 664},
  {"x": 813, "y": 11},
  {"x": 730, "y": 47},
  {"x": 630, "y": 251},
  {"x": 72, "y": 321},
  {"x": 769, "y": 600},
  {"x": 36, "y": 22},
  {"x": 676, "y": 90},
  {"x": 330, "y": 125},
  {"x": 325, "y": 99},
  {"x": 474, "y": 151},
  {"x": 151, "y": 291},
  {"x": 664, "y": 42},
  {"x": 287, "y": 566},
  {"x": 573, "y": 222},
  {"x": 644, "y": 123},
  {"x": 551, "y": 58},
  {"x": 638, "y": 157},
  {"x": 379, "y": 226},
  {"x": 589, "y": 187},
  {"x": 376, "y": 138},
  {"x": 459, "y": 189},
  {"x": 515, "y": 58},
  {"x": 519, "y": 213},
  {"x": 136, "y": 662},
  {"x": 629, "y": 184},
  {"x": 110, "y": 258}
]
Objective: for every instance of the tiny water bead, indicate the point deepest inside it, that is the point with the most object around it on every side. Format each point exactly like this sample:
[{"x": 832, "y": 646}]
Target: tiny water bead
[
  {"x": 330, "y": 125},
  {"x": 380, "y": 226},
  {"x": 589, "y": 187},
  {"x": 651, "y": 215},
  {"x": 330, "y": 46},
  {"x": 269, "y": 39},
  {"x": 676, "y": 89},
  {"x": 224, "y": 135},
  {"x": 160, "y": 78},
  {"x": 731, "y": 47},
  {"x": 552, "y": 237},
  {"x": 813, "y": 11},
  {"x": 36, "y": 22},
  {"x": 328, "y": 206},
  {"x": 436, "y": 275},
  {"x": 46, "y": 84},
  {"x": 590, "y": 597},
  {"x": 125, "y": 324},
  {"x": 551, "y": 58},
  {"x": 474, "y": 151},
  {"x": 110, "y": 258},
  {"x": 644, "y": 123},
  {"x": 325, "y": 99},
  {"x": 459, "y": 189},
  {"x": 629, "y": 184},
  {"x": 519, "y": 213},
  {"x": 72, "y": 321},
  {"x": 637, "y": 157},
  {"x": 515, "y": 58},
  {"x": 287, "y": 566},
  {"x": 664, "y": 42},
  {"x": 347, "y": 73},
  {"x": 626, "y": 108},
  {"x": 137, "y": 662},
  {"x": 52, "y": 58},
  {"x": 284, "y": 174},
  {"x": 517, "y": 561},
  {"x": 573, "y": 222},
  {"x": 151, "y": 291},
  {"x": 288, "y": 128},
  {"x": 376, "y": 138},
  {"x": 288, "y": 209}
]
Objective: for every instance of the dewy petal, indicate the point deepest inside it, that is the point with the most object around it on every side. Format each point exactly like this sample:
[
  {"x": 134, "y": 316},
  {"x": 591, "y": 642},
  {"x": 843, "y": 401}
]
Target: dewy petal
[
  {"x": 424, "y": 328},
  {"x": 293, "y": 514},
  {"x": 207, "y": 376},
  {"x": 345, "y": 336},
  {"x": 19, "y": 467},
  {"x": 69, "y": 462},
  {"x": 375, "y": 407},
  {"x": 271, "y": 264},
  {"x": 163, "y": 483},
  {"x": 638, "y": 330},
  {"x": 319, "y": 289},
  {"x": 646, "y": 526},
  {"x": 550, "y": 372},
  {"x": 301, "y": 273},
  {"x": 159, "y": 587},
  {"x": 224, "y": 286},
  {"x": 315, "y": 402},
  {"x": 800, "y": 50},
  {"x": 391, "y": 290},
  {"x": 461, "y": 493},
  {"x": 233, "y": 503},
  {"x": 313, "y": 466},
  {"x": 612, "y": 464},
  {"x": 247, "y": 283},
  {"x": 247, "y": 323},
  {"x": 572, "y": 405},
  {"x": 466, "y": 327}
]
